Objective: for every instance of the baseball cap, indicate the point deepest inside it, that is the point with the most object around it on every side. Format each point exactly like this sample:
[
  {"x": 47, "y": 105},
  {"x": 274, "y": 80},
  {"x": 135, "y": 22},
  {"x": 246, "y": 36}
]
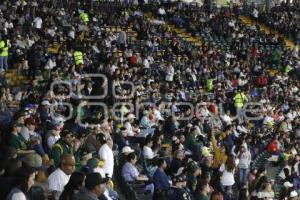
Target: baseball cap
[
  {"x": 94, "y": 163},
  {"x": 180, "y": 178},
  {"x": 293, "y": 194},
  {"x": 34, "y": 161},
  {"x": 205, "y": 152},
  {"x": 94, "y": 179},
  {"x": 66, "y": 132},
  {"x": 46, "y": 103},
  {"x": 131, "y": 116},
  {"x": 101, "y": 138},
  {"x": 287, "y": 184},
  {"x": 127, "y": 150},
  {"x": 192, "y": 166}
]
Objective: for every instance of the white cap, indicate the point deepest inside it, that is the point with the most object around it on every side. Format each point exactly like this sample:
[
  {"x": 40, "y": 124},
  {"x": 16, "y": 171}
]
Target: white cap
[
  {"x": 46, "y": 102},
  {"x": 131, "y": 116},
  {"x": 287, "y": 184},
  {"x": 293, "y": 194},
  {"x": 127, "y": 150}
]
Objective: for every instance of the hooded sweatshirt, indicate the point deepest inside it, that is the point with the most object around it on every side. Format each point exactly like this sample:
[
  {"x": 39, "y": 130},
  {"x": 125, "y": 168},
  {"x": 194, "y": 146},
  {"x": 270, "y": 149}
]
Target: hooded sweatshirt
[{"x": 244, "y": 159}]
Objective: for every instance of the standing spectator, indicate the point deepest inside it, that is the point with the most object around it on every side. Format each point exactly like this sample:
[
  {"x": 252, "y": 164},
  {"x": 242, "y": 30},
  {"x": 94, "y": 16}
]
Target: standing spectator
[
  {"x": 4, "y": 53},
  {"x": 105, "y": 153},
  {"x": 244, "y": 157},
  {"x": 228, "y": 170},
  {"x": 34, "y": 60}
]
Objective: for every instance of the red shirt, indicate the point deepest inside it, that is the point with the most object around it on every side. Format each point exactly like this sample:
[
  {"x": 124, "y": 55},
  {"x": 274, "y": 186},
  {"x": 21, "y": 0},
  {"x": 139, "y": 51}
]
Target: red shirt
[{"x": 133, "y": 60}]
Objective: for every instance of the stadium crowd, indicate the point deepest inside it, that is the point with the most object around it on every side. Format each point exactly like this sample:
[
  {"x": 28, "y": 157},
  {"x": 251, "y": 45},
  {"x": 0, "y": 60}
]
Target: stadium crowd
[
  {"x": 120, "y": 105},
  {"x": 285, "y": 19}
]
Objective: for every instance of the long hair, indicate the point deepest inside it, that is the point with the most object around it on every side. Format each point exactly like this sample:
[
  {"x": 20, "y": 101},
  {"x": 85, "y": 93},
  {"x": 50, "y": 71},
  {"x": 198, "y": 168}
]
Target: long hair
[
  {"x": 21, "y": 178},
  {"x": 75, "y": 182},
  {"x": 230, "y": 163}
]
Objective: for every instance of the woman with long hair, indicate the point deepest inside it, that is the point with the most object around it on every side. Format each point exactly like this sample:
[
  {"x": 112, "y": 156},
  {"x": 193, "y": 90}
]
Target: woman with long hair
[
  {"x": 228, "y": 170},
  {"x": 23, "y": 181},
  {"x": 75, "y": 184}
]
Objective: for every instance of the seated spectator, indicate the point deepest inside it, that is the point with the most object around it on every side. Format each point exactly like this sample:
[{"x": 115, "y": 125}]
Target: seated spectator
[
  {"x": 75, "y": 184},
  {"x": 61, "y": 176},
  {"x": 23, "y": 181},
  {"x": 202, "y": 191},
  {"x": 93, "y": 189},
  {"x": 65, "y": 145},
  {"x": 160, "y": 179},
  {"x": 266, "y": 192},
  {"x": 147, "y": 151},
  {"x": 131, "y": 174}
]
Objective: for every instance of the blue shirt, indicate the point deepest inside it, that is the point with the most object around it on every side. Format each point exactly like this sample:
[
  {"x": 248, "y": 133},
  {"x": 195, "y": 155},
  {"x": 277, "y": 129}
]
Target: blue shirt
[
  {"x": 129, "y": 172},
  {"x": 161, "y": 180}
]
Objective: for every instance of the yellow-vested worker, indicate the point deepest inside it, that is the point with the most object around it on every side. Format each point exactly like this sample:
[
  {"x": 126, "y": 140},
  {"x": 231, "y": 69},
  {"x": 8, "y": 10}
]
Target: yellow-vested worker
[{"x": 78, "y": 57}]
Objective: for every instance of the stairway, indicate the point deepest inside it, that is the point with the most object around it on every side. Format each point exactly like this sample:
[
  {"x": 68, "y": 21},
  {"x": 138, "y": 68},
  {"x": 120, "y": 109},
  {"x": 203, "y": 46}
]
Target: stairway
[
  {"x": 247, "y": 20},
  {"x": 14, "y": 79},
  {"x": 261, "y": 160},
  {"x": 179, "y": 31}
]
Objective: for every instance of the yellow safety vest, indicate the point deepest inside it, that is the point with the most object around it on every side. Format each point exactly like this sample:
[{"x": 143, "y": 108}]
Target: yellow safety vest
[
  {"x": 287, "y": 69},
  {"x": 209, "y": 85},
  {"x": 227, "y": 3},
  {"x": 84, "y": 17},
  {"x": 78, "y": 57},
  {"x": 3, "y": 48},
  {"x": 239, "y": 100}
]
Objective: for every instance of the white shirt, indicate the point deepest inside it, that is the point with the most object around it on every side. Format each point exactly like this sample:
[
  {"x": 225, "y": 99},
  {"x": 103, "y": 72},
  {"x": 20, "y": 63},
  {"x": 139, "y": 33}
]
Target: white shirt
[
  {"x": 100, "y": 171},
  {"x": 128, "y": 127},
  {"x": 170, "y": 73},
  {"x": 38, "y": 22},
  {"x": 106, "y": 154},
  {"x": 148, "y": 153},
  {"x": 71, "y": 34},
  {"x": 57, "y": 180},
  {"x": 227, "y": 178},
  {"x": 146, "y": 64},
  {"x": 255, "y": 13},
  {"x": 226, "y": 118},
  {"x": 50, "y": 64},
  {"x": 18, "y": 196},
  {"x": 52, "y": 140}
]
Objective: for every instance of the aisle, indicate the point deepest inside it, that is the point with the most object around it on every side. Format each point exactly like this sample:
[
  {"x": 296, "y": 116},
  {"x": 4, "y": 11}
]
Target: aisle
[
  {"x": 196, "y": 40},
  {"x": 247, "y": 20}
]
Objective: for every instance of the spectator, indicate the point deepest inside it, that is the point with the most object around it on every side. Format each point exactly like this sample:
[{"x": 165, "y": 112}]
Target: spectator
[
  {"x": 94, "y": 187},
  {"x": 105, "y": 153},
  {"x": 75, "y": 184},
  {"x": 24, "y": 180},
  {"x": 61, "y": 176}
]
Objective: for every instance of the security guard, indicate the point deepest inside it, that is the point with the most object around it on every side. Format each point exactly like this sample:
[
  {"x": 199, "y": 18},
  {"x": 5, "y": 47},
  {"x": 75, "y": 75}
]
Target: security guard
[
  {"x": 78, "y": 57},
  {"x": 179, "y": 191},
  {"x": 210, "y": 85},
  {"x": 63, "y": 146},
  {"x": 84, "y": 17},
  {"x": 3, "y": 53},
  {"x": 239, "y": 100}
]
